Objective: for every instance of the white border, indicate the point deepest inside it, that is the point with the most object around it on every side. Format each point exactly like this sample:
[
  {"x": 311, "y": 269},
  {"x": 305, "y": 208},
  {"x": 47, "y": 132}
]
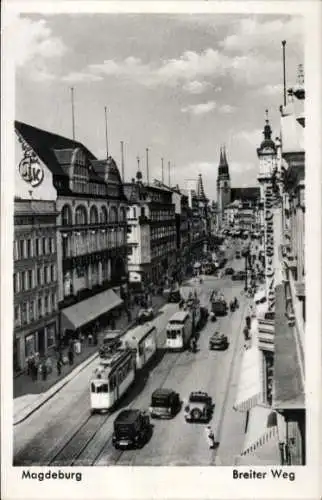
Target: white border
[{"x": 171, "y": 482}]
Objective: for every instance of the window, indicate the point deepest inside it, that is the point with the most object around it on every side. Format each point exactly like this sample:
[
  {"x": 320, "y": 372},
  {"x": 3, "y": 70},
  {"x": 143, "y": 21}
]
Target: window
[
  {"x": 51, "y": 335},
  {"x": 30, "y": 284},
  {"x": 15, "y": 250},
  {"x": 53, "y": 301},
  {"x": 40, "y": 307},
  {"x": 21, "y": 249},
  {"x": 17, "y": 314},
  {"x": 134, "y": 212},
  {"x": 29, "y": 248},
  {"x": 15, "y": 283},
  {"x": 24, "y": 313},
  {"x": 39, "y": 282},
  {"x": 44, "y": 246},
  {"x": 52, "y": 245},
  {"x": 52, "y": 273},
  {"x": 31, "y": 311},
  {"x": 66, "y": 216},
  {"x": 37, "y": 247},
  {"x": 30, "y": 345},
  {"x": 81, "y": 215},
  {"x": 46, "y": 274},
  {"x": 23, "y": 281}
]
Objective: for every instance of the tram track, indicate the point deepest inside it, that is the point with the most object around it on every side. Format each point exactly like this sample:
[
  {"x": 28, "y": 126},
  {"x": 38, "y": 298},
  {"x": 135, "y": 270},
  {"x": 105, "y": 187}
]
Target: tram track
[{"x": 93, "y": 429}]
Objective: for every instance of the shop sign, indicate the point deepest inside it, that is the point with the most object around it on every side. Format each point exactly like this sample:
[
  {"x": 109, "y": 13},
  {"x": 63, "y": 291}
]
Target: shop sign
[{"x": 31, "y": 171}]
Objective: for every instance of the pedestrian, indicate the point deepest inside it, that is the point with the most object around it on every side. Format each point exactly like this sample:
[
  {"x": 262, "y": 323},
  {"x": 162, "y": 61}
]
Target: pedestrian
[
  {"x": 59, "y": 366},
  {"x": 210, "y": 437},
  {"x": 71, "y": 355},
  {"x": 34, "y": 370},
  {"x": 44, "y": 371}
]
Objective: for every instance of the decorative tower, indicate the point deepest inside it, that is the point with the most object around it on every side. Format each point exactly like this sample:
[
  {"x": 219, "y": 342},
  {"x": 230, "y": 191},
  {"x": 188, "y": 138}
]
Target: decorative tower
[
  {"x": 267, "y": 154},
  {"x": 203, "y": 210},
  {"x": 223, "y": 185}
]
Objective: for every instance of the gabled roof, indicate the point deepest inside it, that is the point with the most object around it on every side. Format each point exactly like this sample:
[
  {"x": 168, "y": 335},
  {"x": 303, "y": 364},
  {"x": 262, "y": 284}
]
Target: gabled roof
[{"x": 46, "y": 145}]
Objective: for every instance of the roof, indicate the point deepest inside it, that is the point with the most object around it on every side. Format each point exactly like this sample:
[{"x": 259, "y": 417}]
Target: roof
[
  {"x": 247, "y": 193},
  {"x": 45, "y": 144},
  {"x": 162, "y": 392},
  {"x": 179, "y": 316},
  {"x": 288, "y": 382},
  {"x": 138, "y": 333},
  {"x": 127, "y": 416}
]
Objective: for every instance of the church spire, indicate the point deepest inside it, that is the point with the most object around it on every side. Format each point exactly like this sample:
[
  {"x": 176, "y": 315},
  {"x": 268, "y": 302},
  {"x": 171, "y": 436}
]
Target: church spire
[
  {"x": 223, "y": 168},
  {"x": 200, "y": 188}
]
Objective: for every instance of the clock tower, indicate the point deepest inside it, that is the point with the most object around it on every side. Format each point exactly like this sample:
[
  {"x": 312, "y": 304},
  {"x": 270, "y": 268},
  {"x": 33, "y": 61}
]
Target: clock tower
[
  {"x": 223, "y": 185},
  {"x": 267, "y": 155}
]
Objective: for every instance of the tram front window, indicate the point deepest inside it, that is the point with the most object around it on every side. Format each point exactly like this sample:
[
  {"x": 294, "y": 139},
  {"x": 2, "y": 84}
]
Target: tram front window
[{"x": 99, "y": 388}]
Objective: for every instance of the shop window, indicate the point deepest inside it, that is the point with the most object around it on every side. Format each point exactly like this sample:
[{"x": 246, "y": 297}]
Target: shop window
[
  {"x": 51, "y": 335},
  {"x": 30, "y": 345}
]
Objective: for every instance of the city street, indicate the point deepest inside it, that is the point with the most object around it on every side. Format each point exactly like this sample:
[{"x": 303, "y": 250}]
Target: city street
[{"x": 62, "y": 432}]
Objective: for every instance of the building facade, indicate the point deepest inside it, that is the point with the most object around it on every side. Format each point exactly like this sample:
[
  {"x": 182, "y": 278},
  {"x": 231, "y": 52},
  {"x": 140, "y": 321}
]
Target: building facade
[
  {"x": 35, "y": 280},
  {"x": 91, "y": 229},
  {"x": 151, "y": 234}
]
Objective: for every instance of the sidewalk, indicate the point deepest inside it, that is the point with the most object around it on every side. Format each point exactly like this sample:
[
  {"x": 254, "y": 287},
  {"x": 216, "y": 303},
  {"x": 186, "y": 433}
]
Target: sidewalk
[{"x": 23, "y": 383}]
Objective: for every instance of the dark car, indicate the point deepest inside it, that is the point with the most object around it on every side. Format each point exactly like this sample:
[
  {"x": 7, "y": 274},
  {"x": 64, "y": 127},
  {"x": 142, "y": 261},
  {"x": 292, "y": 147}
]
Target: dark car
[
  {"x": 132, "y": 429},
  {"x": 239, "y": 276},
  {"x": 237, "y": 255},
  {"x": 199, "y": 407},
  {"x": 229, "y": 271},
  {"x": 165, "y": 403},
  {"x": 218, "y": 341},
  {"x": 145, "y": 315},
  {"x": 174, "y": 297},
  {"x": 219, "y": 307}
]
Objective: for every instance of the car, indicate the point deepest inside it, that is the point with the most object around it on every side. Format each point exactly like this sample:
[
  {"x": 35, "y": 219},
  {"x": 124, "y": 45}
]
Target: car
[
  {"x": 132, "y": 429},
  {"x": 239, "y": 276},
  {"x": 237, "y": 255},
  {"x": 165, "y": 403},
  {"x": 199, "y": 407},
  {"x": 145, "y": 315},
  {"x": 174, "y": 297},
  {"x": 218, "y": 341},
  {"x": 229, "y": 271}
]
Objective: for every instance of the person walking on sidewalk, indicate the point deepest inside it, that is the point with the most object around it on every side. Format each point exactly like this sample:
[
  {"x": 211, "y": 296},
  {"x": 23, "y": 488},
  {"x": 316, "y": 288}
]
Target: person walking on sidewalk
[
  {"x": 71, "y": 355},
  {"x": 210, "y": 437},
  {"x": 44, "y": 371},
  {"x": 59, "y": 366}
]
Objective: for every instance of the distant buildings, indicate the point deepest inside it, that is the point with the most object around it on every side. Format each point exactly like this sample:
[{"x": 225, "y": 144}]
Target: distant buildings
[{"x": 235, "y": 206}]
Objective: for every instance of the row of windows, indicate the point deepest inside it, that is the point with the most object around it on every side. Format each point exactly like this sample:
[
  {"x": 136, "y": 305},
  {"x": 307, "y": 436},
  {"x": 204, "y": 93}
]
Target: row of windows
[
  {"x": 160, "y": 232},
  {"x": 28, "y": 248},
  {"x": 31, "y": 278},
  {"x": 83, "y": 186},
  {"x": 81, "y": 245},
  {"x": 163, "y": 249},
  {"x": 95, "y": 217},
  {"x": 32, "y": 310},
  {"x": 162, "y": 214}
]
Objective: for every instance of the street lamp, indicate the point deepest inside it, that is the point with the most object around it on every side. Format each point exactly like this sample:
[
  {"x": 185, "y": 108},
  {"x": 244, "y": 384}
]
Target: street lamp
[{"x": 246, "y": 254}]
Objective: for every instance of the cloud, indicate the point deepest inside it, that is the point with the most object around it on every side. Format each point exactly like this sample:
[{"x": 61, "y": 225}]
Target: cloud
[
  {"x": 78, "y": 77},
  {"x": 34, "y": 39},
  {"x": 252, "y": 137},
  {"x": 199, "y": 109},
  {"x": 254, "y": 33},
  {"x": 227, "y": 109},
  {"x": 196, "y": 87},
  {"x": 271, "y": 90}
]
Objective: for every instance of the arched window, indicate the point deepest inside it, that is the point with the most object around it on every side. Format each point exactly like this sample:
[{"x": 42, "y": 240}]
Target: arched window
[
  {"x": 113, "y": 214},
  {"x": 103, "y": 215},
  {"x": 81, "y": 215},
  {"x": 66, "y": 215},
  {"x": 93, "y": 215}
]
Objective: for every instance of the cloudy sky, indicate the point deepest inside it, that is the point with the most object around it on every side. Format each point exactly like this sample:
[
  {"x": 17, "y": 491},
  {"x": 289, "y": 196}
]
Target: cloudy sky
[{"x": 180, "y": 85}]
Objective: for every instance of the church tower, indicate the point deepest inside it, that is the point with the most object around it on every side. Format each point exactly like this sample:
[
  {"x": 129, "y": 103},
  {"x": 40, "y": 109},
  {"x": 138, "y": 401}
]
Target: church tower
[{"x": 223, "y": 185}]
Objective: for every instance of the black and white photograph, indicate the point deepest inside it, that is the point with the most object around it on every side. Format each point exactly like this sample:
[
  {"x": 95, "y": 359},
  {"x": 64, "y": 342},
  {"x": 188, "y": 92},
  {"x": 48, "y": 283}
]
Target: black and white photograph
[{"x": 159, "y": 241}]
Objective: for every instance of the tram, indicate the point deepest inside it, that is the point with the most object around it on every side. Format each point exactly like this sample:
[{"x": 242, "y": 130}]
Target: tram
[
  {"x": 142, "y": 340},
  {"x": 179, "y": 331},
  {"x": 111, "y": 379}
]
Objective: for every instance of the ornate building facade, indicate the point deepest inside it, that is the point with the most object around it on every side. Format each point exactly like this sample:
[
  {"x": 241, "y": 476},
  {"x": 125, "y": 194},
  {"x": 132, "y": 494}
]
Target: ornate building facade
[{"x": 91, "y": 228}]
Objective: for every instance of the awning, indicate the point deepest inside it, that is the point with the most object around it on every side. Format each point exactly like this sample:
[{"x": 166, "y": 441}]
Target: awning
[
  {"x": 288, "y": 386},
  {"x": 89, "y": 309},
  {"x": 249, "y": 392},
  {"x": 261, "y": 441}
]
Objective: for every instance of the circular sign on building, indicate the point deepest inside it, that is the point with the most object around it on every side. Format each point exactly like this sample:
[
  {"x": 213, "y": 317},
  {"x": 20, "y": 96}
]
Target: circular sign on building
[{"x": 31, "y": 171}]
